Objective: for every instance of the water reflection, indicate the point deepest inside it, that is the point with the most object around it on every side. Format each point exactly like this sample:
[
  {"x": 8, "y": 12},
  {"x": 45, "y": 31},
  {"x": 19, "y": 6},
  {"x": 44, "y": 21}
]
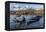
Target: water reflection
[{"x": 25, "y": 21}]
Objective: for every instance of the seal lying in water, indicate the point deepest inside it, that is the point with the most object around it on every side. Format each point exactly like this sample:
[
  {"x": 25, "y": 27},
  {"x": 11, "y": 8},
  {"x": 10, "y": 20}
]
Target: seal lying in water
[
  {"x": 19, "y": 19},
  {"x": 35, "y": 19}
]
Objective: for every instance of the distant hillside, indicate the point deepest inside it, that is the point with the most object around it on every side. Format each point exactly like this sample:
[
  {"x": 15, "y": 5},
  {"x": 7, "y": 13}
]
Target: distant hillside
[{"x": 28, "y": 12}]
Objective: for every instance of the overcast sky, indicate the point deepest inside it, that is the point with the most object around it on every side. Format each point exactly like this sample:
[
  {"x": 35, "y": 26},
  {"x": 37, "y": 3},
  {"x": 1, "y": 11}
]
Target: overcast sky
[{"x": 34, "y": 6}]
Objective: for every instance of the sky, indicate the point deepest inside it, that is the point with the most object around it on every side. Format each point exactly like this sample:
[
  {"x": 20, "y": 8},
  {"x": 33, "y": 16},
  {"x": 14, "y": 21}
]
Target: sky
[{"x": 34, "y": 6}]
